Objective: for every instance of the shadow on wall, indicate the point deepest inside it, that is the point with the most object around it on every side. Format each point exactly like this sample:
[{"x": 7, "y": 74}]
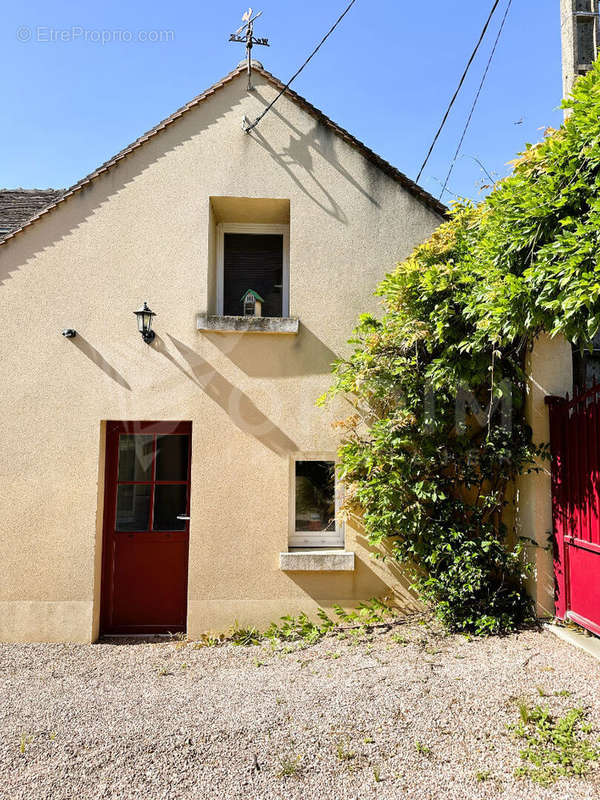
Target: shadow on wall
[
  {"x": 90, "y": 351},
  {"x": 274, "y": 356},
  {"x": 296, "y": 158},
  {"x": 403, "y": 595},
  {"x": 365, "y": 583},
  {"x": 238, "y": 406},
  {"x": 350, "y": 588}
]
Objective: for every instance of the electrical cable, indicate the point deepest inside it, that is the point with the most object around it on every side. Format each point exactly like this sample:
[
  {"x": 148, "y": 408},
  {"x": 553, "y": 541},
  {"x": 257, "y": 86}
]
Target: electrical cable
[
  {"x": 314, "y": 52},
  {"x": 468, "y": 122},
  {"x": 462, "y": 80}
]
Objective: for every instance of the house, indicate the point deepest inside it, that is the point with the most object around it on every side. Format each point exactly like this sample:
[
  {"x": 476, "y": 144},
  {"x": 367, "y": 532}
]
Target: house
[{"x": 183, "y": 479}]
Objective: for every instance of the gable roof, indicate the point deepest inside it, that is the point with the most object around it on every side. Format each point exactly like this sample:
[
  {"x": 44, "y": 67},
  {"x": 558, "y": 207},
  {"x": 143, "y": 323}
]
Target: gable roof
[
  {"x": 18, "y": 206},
  {"x": 408, "y": 184}
]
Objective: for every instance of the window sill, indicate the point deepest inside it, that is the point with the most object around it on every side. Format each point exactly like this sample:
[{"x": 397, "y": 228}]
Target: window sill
[
  {"x": 218, "y": 324},
  {"x": 316, "y": 561}
]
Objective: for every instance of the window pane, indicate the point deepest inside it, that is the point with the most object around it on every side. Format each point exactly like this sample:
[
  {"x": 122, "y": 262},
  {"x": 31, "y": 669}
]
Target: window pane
[
  {"x": 169, "y": 501},
  {"x": 172, "y": 458},
  {"x": 135, "y": 457},
  {"x": 586, "y": 47},
  {"x": 133, "y": 507},
  {"x": 253, "y": 261},
  {"x": 315, "y": 496}
]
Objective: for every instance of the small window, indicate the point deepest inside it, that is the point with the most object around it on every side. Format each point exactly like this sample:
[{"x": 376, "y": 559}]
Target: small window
[
  {"x": 253, "y": 262},
  {"x": 315, "y": 521},
  {"x": 586, "y": 366},
  {"x": 586, "y": 41}
]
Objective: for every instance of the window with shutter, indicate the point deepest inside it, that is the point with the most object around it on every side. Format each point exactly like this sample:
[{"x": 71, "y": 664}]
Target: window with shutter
[{"x": 253, "y": 258}]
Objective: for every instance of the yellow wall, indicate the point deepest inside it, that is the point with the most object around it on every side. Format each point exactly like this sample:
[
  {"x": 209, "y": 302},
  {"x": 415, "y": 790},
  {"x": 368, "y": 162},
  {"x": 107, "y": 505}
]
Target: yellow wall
[
  {"x": 145, "y": 231},
  {"x": 550, "y": 372}
]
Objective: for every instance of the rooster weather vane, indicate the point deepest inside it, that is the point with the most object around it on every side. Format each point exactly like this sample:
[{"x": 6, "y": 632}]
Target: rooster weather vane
[{"x": 245, "y": 35}]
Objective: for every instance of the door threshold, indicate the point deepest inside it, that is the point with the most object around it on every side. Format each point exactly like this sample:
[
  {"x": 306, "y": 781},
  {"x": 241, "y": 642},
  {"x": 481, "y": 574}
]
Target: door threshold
[{"x": 590, "y": 644}]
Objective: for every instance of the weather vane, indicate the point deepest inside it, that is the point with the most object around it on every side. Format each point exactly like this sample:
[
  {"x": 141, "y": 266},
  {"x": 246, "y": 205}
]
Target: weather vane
[{"x": 245, "y": 34}]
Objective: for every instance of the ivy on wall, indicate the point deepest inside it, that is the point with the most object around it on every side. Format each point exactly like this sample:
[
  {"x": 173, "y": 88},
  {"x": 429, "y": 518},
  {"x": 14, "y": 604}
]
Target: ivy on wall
[{"x": 438, "y": 383}]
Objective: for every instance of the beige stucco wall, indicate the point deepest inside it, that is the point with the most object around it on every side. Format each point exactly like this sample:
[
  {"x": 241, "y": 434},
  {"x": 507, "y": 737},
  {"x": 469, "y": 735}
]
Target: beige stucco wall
[
  {"x": 145, "y": 231},
  {"x": 550, "y": 372}
]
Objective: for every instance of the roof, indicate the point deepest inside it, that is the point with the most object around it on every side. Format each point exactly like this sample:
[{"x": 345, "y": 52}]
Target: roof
[
  {"x": 408, "y": 184},
  {"x": 18, "y": 206}
]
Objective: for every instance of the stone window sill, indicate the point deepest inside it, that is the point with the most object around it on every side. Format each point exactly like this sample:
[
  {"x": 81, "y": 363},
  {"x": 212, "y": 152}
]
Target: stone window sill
[
  {"x": 216, "y": 324},
  {"x": 316, "y": 561}
]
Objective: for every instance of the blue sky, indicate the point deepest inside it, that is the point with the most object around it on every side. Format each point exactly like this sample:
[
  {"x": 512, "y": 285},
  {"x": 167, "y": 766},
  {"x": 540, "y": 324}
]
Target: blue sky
[{"x": 386, "y": 75}]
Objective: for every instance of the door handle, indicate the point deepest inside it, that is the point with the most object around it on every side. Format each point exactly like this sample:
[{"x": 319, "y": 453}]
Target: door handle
[{"x": 182, "y": 516}]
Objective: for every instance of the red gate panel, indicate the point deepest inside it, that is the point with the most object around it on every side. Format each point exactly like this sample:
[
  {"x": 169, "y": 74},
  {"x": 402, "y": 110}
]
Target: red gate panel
[{"x": 575, "y": 451}]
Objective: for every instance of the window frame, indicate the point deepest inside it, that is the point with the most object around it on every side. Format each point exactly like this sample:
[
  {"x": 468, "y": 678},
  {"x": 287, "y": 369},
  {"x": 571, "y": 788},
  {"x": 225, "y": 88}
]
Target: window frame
[
  {"x": 316, "y": 539},
  {"x": 251, "y": 227}
]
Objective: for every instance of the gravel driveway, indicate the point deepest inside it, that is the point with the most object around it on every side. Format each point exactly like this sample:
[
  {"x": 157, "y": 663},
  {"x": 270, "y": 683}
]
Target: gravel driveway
[{"x": 410, "y": 714}]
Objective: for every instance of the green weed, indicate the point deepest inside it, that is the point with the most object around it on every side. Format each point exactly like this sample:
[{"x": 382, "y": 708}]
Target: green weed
[
  {"x": 422, "y": 748},
  {"x": 553, "y": 747},
  {"x": 289, "y": 767},
  {"x": 344, "y": 753}
]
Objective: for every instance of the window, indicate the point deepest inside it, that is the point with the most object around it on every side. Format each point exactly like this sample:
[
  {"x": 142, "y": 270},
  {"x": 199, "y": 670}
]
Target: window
[
  {"x": 253, "y": 257},
  {"x": 152, "y": 482},
  {"x": 586, "y": 44},
  {"x": 315, "y": 505},
  {"x": 586, "y": 366}
]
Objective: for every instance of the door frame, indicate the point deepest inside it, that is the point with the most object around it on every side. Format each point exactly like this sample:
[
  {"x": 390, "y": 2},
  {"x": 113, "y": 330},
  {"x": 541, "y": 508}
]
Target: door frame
[{"x": 113, "y": 429}]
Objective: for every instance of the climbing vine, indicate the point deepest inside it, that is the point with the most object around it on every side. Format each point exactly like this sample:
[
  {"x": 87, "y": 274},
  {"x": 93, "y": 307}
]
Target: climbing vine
[{"x": 438, "y": 383}]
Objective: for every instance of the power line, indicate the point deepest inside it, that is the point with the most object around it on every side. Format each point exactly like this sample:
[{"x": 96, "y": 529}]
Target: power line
[
  {"x": 462, "y": 80},
  {"x": 314, "y": 52},
  {"x": 468, "y": 122}
]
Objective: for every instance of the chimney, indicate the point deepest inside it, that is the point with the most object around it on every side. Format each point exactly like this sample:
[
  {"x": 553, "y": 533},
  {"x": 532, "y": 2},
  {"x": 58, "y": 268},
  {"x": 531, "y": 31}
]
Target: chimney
[{"x": 580, "y": 35}]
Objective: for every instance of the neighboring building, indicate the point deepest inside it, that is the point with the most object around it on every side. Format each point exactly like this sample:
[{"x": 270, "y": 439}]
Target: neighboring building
[
  {"x": 188, "y": 482},
  {"x": 18, "y": 206},
  {"x": 580, "y": 36}
]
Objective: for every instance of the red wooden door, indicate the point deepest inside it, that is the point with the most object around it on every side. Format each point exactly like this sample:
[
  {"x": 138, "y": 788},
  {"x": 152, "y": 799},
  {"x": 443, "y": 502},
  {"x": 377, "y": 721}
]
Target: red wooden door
[
  {"x": 146, "y": 527},
  {"x": 575, "y": 448}
]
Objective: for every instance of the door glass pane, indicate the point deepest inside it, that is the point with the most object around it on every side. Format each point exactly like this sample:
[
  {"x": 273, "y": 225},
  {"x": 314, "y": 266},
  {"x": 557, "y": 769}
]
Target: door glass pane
[
  {"x": 135, "y": 457},
  {"x": 315, "y": 496},
  {"x": 172, "y": 458},
  {"x": 169, "y": 501},
  {"x": 133, "y": 507}
]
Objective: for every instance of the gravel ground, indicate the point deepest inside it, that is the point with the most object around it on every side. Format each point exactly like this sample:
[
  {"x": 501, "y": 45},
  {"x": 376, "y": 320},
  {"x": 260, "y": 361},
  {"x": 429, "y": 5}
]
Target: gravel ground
[{"x": 167, "y": 720}]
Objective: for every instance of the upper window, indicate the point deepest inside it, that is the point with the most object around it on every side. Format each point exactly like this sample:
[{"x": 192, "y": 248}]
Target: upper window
[
  {"x": 253, "y": 258},
  {"x": 315, "y": 522}
]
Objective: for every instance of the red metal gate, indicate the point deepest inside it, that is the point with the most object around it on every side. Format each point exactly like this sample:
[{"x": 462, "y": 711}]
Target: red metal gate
[{"x": 575, "y": 449}]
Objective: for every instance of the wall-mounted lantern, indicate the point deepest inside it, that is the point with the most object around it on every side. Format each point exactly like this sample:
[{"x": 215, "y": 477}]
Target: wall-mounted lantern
[
  {"x": 144, "y": 320},
  {"x": 252, "y": 304},
  {"x": 69, "y": 333}
]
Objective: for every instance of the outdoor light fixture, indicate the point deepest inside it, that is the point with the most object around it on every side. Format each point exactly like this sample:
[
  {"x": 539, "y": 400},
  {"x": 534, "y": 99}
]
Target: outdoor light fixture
[
  {"x": 144, "y": 320},
  {"x": 69, "y": 333}
]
